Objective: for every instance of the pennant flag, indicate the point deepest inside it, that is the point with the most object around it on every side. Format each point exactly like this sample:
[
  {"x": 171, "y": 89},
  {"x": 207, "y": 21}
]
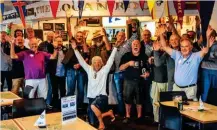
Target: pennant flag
[
  {"x": 206, "y": 9},
  {"x": 80, "y": 7},
  {"x": 160, "y": 9},
  {"x": 111, "y": 5},
  {"x": 21, "y": 10},
  {"x": 1, "y": 10},
  {"x": 141, "y": 3},
  {"x": 151, "y": 4},
  {"x": 180, "y": 7},
  {"x": 41, "y": 120},
  {"x": 126, "y": 3},
  {"x": 54, "y": 6}
]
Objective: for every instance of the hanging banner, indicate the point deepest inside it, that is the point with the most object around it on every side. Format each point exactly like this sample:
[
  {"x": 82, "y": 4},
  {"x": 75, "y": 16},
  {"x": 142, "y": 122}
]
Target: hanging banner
[
  {"x": 2, "y": 9},
  {"x": 142, "y": 3},
  {"x": 111, "y": 5},
  {"x": 150, "y": 4},
  {"x": 205, "y": 15},
  {"x": 159, "y": 9},
  {"x": 180, "y": 8},
  {"x": 126, "y": 3},
  {"x": 80, "y": 7},
  {"x": 21, "y": 10},
  {"x": 54, "y": 6}
]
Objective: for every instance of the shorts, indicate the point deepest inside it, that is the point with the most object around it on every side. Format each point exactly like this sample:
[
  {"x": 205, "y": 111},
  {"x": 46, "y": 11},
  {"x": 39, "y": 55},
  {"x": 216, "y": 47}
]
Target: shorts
[
  {"x": 133, "y": 89},
  {"x": 101, "y": 102}
]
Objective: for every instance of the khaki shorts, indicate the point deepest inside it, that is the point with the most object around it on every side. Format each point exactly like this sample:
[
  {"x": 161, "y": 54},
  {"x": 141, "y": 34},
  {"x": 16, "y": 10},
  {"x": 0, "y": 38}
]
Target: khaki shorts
[{"x": 191, "y": 92}]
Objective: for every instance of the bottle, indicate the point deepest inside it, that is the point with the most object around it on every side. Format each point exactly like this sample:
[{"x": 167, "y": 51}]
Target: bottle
[{"x": 180, "y": 105}]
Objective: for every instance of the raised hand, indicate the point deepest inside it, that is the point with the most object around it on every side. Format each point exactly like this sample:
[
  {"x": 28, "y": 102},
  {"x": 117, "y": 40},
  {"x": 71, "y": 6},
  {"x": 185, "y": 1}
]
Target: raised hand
[
  {"x": 205, "y": 50},
  {"x": 103, "y": 32},
  {"x": 73, "y": 44},
  {"x": 211, "y": 41},
  {"x": 10, "y": 39},
  {"x": 171, "y": 20},
  {"x": 161, "y": 29},
  {"x": 209, "y": 31}
]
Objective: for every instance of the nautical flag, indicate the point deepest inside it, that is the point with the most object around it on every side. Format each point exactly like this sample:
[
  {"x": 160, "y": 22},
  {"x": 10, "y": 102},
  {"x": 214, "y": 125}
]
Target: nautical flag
[
  {"x": 1, "y": 10},
  {"x": 20, "y": 7},
  {"x": 126, "y": 3},
  {"x": 141, "y": 3},
  {"x": 151, "y": 5},
  {"x": 206, "y": 10},
  {"x": 80, "y": 7},
  {"x": 54, "y": 7},
  {"x": 111, "y": 5},
  {"x": 180, "y": 8},
  {"x": 160, "y": 9}
]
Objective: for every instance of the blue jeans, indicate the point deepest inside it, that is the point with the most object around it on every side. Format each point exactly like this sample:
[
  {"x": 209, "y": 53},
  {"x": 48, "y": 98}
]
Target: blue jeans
[
  {"x": 74, "y": 76},
  {"x": 209, "y": 80},
  {"x": 118, "y": 80},
  {"x": 49, "y": 92}
]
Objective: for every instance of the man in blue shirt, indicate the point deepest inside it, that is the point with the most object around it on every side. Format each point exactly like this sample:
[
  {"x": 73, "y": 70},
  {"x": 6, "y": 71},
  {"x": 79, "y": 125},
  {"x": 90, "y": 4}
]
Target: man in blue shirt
[{"x": 186, "y": 65}]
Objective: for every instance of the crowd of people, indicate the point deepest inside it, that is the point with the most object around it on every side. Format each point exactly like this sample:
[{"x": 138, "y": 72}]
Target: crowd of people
[{"x": 141, "y": 70}]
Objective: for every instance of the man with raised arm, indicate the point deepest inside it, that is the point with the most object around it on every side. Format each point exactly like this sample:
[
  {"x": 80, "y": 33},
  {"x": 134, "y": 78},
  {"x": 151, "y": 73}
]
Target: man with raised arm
[
  {"x": 34, "y": 67},
  {"x": 186, "y": 65},
  {"x": 96, "y": 91}
]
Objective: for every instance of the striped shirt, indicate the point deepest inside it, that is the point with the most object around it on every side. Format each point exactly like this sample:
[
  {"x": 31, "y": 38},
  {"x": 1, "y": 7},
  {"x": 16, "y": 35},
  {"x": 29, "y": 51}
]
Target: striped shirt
[{"x": 126, "y": 47}]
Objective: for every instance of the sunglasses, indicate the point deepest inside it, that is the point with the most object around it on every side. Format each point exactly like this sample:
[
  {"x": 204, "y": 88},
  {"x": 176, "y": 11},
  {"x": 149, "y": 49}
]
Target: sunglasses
[{"x": 95, "y": 75}]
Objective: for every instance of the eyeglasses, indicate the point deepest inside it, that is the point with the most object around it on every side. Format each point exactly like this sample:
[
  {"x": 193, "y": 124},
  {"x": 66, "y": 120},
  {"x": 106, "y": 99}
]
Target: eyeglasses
[{"x": 95, "y": 75}]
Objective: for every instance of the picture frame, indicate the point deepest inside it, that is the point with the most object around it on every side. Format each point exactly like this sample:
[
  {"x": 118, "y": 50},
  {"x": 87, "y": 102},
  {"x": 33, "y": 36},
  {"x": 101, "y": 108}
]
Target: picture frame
[
  {"x": 48, "y": 26},
  {"x": 64, "y": 35},
  {"x": 60, "y": 26}
]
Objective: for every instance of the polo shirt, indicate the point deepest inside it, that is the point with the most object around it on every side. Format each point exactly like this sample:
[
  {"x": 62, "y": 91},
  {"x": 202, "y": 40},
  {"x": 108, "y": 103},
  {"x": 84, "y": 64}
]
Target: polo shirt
[
  {"x": 34, "y": 63},
  {"x": 186, "y": 69}
]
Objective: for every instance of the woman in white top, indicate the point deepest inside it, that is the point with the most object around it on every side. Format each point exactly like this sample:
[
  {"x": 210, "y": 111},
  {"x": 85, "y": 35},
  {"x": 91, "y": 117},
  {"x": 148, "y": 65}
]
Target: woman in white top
[{"x": 96, "y": 90}]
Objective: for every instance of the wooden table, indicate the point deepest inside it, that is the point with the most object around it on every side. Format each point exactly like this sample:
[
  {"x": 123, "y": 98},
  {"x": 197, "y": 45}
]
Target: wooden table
[
  {"x": 209, "y": 115},
  {"x": 7, "y": 98},
  {"x": 8, "y": 125},
  {"x": 54, "y": 122}
]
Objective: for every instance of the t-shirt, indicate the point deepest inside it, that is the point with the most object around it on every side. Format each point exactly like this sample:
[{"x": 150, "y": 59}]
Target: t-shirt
[
  {"x": 133, "y": 73},
  {"x": 34, "y": 63}
]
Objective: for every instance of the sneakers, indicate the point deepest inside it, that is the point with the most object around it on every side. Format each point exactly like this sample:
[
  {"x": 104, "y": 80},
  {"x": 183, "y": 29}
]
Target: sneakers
[
  {"x": 126, "y": 120},
  {"x": 49, "y": 107}
]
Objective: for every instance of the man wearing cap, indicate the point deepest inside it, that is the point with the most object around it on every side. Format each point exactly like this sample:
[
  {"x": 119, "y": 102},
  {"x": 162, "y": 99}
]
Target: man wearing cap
[{"x": 101, "y": 46}]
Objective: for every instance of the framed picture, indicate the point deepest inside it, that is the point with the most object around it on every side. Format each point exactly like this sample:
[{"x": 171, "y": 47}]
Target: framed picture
[
  {"x": 48, "y": 26},
  {"x": 91, "y": 22},
  {"x": 60, "y": 26},
  {"x": 64, "y": 35}
]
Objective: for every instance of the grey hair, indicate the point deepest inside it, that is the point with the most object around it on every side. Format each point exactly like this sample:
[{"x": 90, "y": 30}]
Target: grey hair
[{"x": 96, "y": 58}]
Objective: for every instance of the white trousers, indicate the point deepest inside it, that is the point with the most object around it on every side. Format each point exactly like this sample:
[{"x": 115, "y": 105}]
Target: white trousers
[{"x": 38, "y": 85}]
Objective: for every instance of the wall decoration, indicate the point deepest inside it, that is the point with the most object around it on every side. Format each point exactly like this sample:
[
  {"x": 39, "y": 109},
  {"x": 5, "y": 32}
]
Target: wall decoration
[
  {"x": 64, "y": 35},
  {"x": 60, "y": 26},
  {"x": 48, "y": 26}
]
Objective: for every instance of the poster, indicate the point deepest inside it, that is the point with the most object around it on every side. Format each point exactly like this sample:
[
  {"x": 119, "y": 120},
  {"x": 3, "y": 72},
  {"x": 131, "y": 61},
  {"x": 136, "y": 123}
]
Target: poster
[{"x": 68, "y": 108}]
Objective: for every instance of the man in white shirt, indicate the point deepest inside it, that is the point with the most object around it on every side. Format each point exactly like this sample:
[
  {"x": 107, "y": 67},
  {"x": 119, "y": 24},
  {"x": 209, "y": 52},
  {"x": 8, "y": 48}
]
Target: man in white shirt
[
  {"x": 30, "y": 34},
  {"x": 96, "y": 91}
]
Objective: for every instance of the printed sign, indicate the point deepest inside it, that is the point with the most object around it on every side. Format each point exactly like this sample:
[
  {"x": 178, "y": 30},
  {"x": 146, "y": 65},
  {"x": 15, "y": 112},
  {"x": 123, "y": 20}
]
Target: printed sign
[{"x": 68, "y": 108}]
